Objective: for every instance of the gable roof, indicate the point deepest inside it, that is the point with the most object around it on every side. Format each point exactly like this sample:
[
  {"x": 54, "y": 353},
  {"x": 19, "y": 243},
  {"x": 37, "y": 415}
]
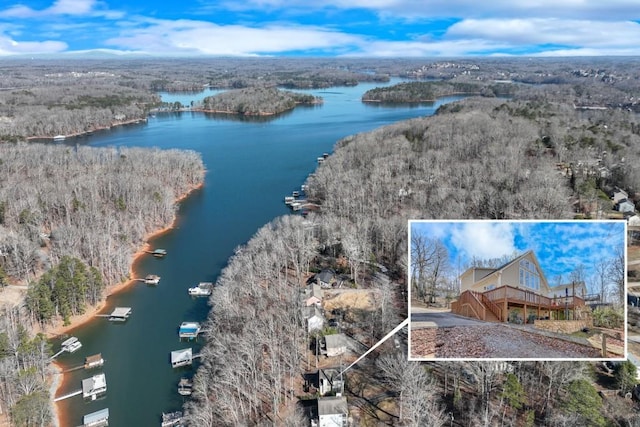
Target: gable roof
[
  {"x": 332, "y": 405},
  {"x": 509, "y": 264}
]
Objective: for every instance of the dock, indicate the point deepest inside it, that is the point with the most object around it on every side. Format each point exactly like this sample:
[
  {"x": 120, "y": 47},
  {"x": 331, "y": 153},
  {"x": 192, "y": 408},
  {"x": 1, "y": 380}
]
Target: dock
[
  {"x": 182, "y": 357},
  {"x": 151, "y": 279},
  {"x": 204, "y": 289},
  {"x": 93, "y": 361},
  {"x": 189, "y": 330},
  {"x": 96, "y": 419},
  {"x": 69, "y": 345},
  {"x": 119, "y": 314},
  {"x": 171, "y": 419},
  {"x": 68, "y": 395},
  {"x": 185, "y": 387},
  {"x": 94, "y": 386},
  {"x": 158, "y": 253}
]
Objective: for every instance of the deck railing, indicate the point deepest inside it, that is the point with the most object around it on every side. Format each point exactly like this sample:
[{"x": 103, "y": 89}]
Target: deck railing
[{"x": 518, "y": 295}]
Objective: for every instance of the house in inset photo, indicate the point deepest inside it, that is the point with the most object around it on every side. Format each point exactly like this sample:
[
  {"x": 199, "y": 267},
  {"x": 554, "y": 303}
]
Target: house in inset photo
[{"x": 517, "y": 290}]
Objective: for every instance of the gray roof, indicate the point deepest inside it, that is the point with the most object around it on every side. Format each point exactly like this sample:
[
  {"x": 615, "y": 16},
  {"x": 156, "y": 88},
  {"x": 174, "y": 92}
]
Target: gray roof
[
  {"x": 94, "y": 417},
  {"x": 335, "y": 340},
  {"x": 325, "y": 276},
  {"x": 332, "y": 405},
  {"x": 181, "y": 355}
]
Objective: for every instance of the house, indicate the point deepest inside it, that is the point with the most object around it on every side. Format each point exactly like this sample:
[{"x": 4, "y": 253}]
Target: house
[
  {"x": 334, "y": 345},
  {"x": 313, "y": 295},
  {"x": 325, "y": 278},
  {"x": 332, "y": 411},
  {"x": 625, "y": 205},
  {"x": 568, "y": 289},
  {"x": 314, "y": 317},
  {"x": 330, "y": 382},
  {"x": 517, "y": 291},
  {"x": 618, "y": 196}
]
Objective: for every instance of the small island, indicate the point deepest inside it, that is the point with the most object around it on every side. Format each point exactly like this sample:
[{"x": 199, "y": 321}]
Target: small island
[
  {"x": 257, "y": 101},
  {"x": 415, "y": 92}
]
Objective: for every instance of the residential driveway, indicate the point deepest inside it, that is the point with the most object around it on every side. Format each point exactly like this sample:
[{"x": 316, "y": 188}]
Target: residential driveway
[{"x": 432, "y": 318}]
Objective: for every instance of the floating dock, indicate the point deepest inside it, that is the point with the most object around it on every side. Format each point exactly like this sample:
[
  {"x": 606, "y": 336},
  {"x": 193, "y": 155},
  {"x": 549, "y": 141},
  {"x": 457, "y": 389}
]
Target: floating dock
[
  {"x": 69, "y": 345},
  {"x": 182, "y": 357},
  {"x": 151, "y": 279},
  {"x": 204, "y": 289},
  {"x": 171, "y": 419},
  {"x": 189, "y": 330},
  {"x": 93, "y": 361},
  {"x": 158, "y": 253},
  {"x": 119, "y": 314},
  {"x": 185, "y": 387},
  {"x": 94, "y": 386},
  {"x": 96, "y": 419}
]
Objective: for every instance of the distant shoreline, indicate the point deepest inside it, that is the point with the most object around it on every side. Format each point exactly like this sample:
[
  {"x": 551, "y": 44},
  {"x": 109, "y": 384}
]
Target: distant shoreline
[{"x": 98, "y": 128}]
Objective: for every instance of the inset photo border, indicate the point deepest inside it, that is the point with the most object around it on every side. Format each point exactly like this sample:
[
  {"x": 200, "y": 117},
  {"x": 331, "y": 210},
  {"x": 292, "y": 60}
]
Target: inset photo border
[{"x": 517, "y": 290}]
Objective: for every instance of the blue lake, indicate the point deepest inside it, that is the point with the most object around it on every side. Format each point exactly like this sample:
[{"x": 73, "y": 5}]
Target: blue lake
[{"x": 251, "y": 165}]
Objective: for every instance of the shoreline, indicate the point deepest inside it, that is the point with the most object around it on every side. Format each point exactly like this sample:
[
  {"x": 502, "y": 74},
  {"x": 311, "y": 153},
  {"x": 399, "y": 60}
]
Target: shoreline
[
  {"x": 98, "y": 128},
  {"x": 59, "y": 379}
]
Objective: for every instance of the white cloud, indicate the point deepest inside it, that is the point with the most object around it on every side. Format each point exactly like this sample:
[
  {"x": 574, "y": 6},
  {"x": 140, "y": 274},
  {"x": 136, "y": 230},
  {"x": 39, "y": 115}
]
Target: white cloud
[
  {"x": 593, "y": 34},
  {"x": 200, "y": 37},
  {"x": 61, "y": 7},
  {"x": 421, "y": 9},
  {"x": 9, "y": 46},
  {"x": 484, "y": 240}
]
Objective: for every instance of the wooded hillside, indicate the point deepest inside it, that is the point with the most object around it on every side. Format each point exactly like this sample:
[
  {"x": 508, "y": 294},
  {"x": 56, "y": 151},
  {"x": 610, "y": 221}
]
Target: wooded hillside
[
  {"x": 93, "y": 204},
  {"x": 257, "y": 101}
]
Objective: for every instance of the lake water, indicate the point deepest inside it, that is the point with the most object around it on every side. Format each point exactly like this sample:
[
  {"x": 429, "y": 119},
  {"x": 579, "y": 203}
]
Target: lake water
[{"x": 251, "y": 165}]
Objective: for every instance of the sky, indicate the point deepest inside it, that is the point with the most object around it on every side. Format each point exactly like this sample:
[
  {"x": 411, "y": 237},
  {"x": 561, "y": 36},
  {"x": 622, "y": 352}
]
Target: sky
[
  {"x": 560, "y": 246},
  {"x": 331, "y": 28}
]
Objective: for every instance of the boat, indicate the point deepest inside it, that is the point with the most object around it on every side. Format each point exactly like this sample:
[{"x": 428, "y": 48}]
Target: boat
[
  {"x": 59, "y": 138},
  {"x": 204, "y": 289},
  {"x": 73, "y": 347},
  {"x": 171, "y": 419},
  {"x": 289, "y": 199},
  {"x": 185, "y": 387},
  {"x": 295, "y": 193}
]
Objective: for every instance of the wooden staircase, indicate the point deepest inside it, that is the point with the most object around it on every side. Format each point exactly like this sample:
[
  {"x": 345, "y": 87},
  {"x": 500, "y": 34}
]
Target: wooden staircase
[{"x": 477, "y": 305}]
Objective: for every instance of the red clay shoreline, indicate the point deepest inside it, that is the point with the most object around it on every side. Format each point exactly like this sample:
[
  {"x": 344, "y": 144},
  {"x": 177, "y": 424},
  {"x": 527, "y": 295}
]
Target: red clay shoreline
[{"x": 61, "y": 418}]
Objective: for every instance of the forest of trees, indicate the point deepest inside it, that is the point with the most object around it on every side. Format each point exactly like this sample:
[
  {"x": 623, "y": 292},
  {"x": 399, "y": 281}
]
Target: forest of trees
[
  {"x": 92, "y": 204},
  {"x": 429, "y": 91},
  {"x": 257, "y": 101}
]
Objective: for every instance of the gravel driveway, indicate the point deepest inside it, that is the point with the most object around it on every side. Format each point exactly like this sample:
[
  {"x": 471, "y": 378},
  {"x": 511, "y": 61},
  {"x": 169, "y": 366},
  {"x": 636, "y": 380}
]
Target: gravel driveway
[{"x": 492, "y": 340}]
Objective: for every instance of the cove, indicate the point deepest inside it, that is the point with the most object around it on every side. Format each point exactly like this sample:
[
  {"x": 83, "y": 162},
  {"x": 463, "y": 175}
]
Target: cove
[{"x": 251, "y": 165}]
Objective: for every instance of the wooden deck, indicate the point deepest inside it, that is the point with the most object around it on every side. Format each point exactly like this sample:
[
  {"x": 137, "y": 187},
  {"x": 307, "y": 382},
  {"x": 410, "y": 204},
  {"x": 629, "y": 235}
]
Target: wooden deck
[{"x": 493, "y": 305}]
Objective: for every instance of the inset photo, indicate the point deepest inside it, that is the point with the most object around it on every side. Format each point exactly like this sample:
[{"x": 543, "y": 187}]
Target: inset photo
[{"x": 511, "y": 290}]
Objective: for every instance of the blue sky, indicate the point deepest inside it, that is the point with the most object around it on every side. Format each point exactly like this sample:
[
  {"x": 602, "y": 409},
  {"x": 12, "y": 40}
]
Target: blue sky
[
  {"x": 559, "y": 245},
  {"x": 368, "y": 28}
]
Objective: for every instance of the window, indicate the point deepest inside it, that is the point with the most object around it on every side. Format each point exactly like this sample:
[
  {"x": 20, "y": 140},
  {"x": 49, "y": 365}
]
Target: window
[{"x": 529, "y": 276}]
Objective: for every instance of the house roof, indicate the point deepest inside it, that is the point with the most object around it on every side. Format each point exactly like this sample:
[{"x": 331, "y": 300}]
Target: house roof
[
  {"x": 326, "y": 275},
  {"x": 330, "y": 374},
  {"x": 94, "y": 417},
  {"x": 335, "y": 340},
  {"x": 508, "y": 264},
  {"x": 332, "y": 405}
]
